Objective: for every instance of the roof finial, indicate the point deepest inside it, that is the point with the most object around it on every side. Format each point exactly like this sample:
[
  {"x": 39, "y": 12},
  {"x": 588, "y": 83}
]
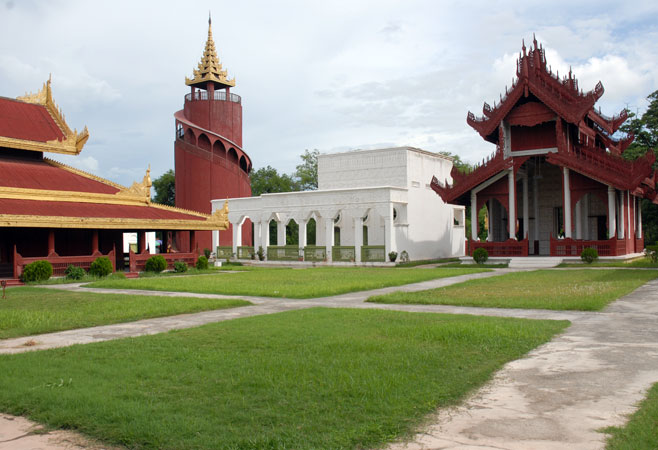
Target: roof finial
[{"x": 209, "y": 19}]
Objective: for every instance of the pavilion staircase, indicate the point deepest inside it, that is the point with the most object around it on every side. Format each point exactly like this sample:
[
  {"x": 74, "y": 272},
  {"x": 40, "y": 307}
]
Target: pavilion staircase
[{"x": 534, "y": 262}]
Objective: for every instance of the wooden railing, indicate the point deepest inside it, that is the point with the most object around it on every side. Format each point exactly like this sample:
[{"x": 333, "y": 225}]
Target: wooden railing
[
  {"x": 137, "y": 261},
  {"x": 60, "y": 263},
  {"x": 574, "y": 247},
  {"x": 510, "y": 247}
]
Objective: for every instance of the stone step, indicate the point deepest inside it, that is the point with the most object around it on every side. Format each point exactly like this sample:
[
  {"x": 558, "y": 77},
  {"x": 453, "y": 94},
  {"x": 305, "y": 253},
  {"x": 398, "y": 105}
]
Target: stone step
[{"x": 532, "y": 262}]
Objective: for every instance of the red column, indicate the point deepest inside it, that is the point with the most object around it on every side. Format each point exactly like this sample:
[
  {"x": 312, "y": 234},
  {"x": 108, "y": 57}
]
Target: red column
[
  {"x": 94, "y": 242},
  {"x": 141, "y": 237},
  {"x": 193, "y": 242},
  {"x": 51, "y": 242}
]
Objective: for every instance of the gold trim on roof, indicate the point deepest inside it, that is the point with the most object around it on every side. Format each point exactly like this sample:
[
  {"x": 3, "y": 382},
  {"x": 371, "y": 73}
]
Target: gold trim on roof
[
  {"x": 209, "y": 68},
  {"x": 139, "y": 190},
  {"x": 72, "y": 142}
]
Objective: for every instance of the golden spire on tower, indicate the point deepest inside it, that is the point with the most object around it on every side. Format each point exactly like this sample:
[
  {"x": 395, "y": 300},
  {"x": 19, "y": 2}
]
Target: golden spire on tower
[{"x": 209, "y": 68}]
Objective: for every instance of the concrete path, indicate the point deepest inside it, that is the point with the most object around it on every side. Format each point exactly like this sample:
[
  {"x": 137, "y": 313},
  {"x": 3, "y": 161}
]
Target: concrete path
[{"x": 557, "y": 397}]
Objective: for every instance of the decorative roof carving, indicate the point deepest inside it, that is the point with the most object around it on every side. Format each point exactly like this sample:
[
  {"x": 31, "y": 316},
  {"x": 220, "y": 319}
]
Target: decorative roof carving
[
  {"x": 72, "y": 142},
  {"x": 209, "y": 68},
  {"x": 139, "y": 190}
]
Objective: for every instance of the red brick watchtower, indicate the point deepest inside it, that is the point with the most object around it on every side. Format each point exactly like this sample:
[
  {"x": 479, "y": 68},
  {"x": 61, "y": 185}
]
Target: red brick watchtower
[{"x": 210, "y": 161}]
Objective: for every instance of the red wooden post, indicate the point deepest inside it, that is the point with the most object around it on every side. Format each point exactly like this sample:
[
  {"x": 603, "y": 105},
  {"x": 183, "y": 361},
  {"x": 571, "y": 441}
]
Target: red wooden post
[
  {"x": 193, "y": 248},
  {"x": 51, "y": 242},
  {"x": 94, "y": 242},
  {"x": 141, "y": 237}
]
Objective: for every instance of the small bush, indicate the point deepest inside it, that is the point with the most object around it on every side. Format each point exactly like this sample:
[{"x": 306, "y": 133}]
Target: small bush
[
  {"x": 155, "y": 263},
  {"x": 589, "y": 255},
  {"x": 74, "y": 273},
  {"x": 651, "y": 253},
  {"x": 117, "y": 276},
  {"x": 480, "y": 255},
  {"x": 392, "y": 256},
  {"x": 206, "y": 252},
  {"x": 37, "y": 271},
  {"x": 180, "y": 267},
  {"x": 261, "y": 254},
  {"x": 202, "y": 263},
  {"x": 404, "y": 257},
  {"x": 101, "y": 267}
]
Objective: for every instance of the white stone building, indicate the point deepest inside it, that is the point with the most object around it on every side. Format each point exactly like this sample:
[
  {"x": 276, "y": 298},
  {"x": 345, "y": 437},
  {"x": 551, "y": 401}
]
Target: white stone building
[{"x": 375, "y": 201}]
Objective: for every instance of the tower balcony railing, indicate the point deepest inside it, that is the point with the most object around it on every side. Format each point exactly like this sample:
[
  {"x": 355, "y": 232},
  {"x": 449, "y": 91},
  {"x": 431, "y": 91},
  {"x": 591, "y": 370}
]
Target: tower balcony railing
[{"x": 218, "y": 95}]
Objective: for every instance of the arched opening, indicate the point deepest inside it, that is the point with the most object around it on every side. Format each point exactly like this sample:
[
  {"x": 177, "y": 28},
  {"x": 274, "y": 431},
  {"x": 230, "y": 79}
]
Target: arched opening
[
  {"x": 292, "y": 233},
  {"x": 190, "y": 138},
  {"x": 243, "y": 163},
  {"x": 203, "y": 142},
  {"x": 232, "y": 155},
  {"x": 311, "y": 227},
  {"x": 219, "y": 149},
  {"x": 273, "y": 232}
]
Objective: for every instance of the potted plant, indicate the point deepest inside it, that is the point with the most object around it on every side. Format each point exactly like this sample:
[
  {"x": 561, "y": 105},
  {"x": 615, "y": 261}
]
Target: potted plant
[{"x": 393, "y": 256}]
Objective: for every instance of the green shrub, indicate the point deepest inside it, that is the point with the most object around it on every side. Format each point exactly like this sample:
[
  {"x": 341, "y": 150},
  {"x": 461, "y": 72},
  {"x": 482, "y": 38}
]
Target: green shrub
[
  {"x": 74, "y": 273},
  {"x": 589, "y": 255},
  {"x": 37, "y": 271},
  {"x": 392, "y": 256},
  {"x": 202, "y": 263},
  {"x": 260, "y": 253},
  {"x": 404, "y": 257},
  {"x": 117, "y": 276},
  {"x": 101, "y": 267},
  {"x": 180, "y": 266},
  {"x": 155, "y": 263},
  {"x": 480, "y": 255},
  {"x": 206, "y": 252}
]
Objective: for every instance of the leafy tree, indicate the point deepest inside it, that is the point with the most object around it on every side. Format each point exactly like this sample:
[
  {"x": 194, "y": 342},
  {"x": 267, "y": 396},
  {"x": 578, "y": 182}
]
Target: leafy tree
[
  {"x": 307, "y": 172},
  {"x": 267, "y": 180},
  {"x": 645, "y": 129},
  {"x": 457, "y": 162},
  {"x": 165, "y": 189}
]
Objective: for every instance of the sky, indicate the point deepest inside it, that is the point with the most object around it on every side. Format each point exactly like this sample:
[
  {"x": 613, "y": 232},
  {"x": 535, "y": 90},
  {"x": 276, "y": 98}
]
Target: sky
[{"x": 332, "y": 76}]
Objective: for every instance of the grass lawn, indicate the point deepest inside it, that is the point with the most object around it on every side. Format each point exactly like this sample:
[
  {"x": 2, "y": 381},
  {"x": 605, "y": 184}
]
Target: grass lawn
[
  {"x": 290, "y": 283},
  {"x": 315, "y": 378},
  {"x": 586, "y": 290},
  {"x": 641, "y": 432},
  {"x": 636, "y": 263},
  {"x": 29, "y": 310}
]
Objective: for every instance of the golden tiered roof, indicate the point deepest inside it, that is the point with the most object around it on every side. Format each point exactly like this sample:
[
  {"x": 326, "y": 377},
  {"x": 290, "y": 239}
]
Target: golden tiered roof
[{"x": 209, "y": 68}]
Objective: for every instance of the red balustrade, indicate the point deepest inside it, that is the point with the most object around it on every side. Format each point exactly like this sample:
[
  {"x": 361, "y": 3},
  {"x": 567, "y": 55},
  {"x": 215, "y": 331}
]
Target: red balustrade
[
  {"x": 510, "y": 247},
  {"x": 60, "y": 263},
  {"x": 138, "y": 260}
]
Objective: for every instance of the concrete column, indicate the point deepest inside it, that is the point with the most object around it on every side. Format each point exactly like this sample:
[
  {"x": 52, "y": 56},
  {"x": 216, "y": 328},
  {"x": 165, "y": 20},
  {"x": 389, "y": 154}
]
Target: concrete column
[
  {"x": 511, "y": 185},
  {"x": 535, "y": 206},
  {"x": 280, "y": 233},
  {"x": 526, "y": 214},
  {"x": 474, "y": 217},
  {"x": 389, "y": 233},
  {"x": 639, "y": 219},
  {"x": 612, "y": 214},
  {"x": 328, "y": 236},
  {"x": 567, "y": 202},
  {"x": 302, "y": 233},
  {"x": 237, "y": 237},
  {"x": 629, "y": 215},
  {"x": 215, "y": 240},
  {"x": 490, "y": 213},
  {"x": 622, "y": 216},
  {"x": 579, "y": 220},
  {"x": 358, "y": 238},
  {"x": 265, "y": 235},
  {"x": 585, "y": 211}
]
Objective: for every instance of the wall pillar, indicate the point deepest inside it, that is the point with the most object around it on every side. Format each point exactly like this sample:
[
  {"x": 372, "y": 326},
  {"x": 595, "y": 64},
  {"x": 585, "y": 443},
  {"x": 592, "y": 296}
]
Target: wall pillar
[
  {"x": 328, "y": 237},
  {"x": 490, "y": 215},
  {"x": 358, "y": 238},
  {"x": 280, "y": 233},
  {"x": 265, "y": 235},
  {"x": 237, "y": 237},
  {"x": 302, "y": 233},
  {"x": 622, "y": 216},
  {"x": 526, "y": 214},
  {"x": 585, "y": 212},
  {"x": 511, "y": 187},
  {"x": 639, "y": 219},
  {"x": 612, "y": 214},
  {"x": 567, "y": 202},
  {"x": 535, "y": 206},
  {"x": 215, "y": 240},
  {"x": 474, "y": 217},
  {"x": 579, "y": 220},
  {"x": 256, "y": 237},
  {"x": 389, "y": 232}
]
